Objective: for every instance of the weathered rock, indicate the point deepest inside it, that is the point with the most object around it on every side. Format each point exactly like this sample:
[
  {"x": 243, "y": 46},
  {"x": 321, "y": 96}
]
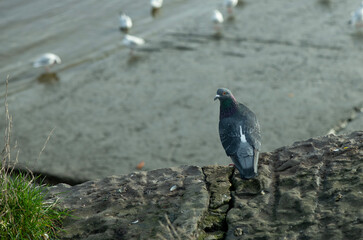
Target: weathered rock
[
  {"x": 310, "y": 190},
  {"x": 313, "y": 192},
  {"x": 131, "y": 206}
]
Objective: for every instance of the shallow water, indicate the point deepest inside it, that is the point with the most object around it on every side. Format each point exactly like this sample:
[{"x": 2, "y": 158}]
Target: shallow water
[{"x": 297, "y": 65}]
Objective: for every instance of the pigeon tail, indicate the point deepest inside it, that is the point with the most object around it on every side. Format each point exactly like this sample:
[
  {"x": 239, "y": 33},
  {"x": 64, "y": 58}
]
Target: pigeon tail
[{"x": 245, "y": 166}]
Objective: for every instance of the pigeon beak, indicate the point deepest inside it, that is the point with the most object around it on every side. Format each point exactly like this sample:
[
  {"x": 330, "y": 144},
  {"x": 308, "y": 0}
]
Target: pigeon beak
[{"x": 216, "y": 97}]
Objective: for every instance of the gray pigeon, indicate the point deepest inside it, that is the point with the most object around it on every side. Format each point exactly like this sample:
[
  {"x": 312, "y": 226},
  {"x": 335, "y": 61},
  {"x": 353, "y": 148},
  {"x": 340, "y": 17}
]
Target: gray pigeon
[{"x": 239, "y": 132}]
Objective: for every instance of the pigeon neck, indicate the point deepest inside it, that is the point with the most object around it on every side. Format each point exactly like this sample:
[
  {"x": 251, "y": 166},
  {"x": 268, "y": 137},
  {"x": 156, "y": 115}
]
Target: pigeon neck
[{"x": 228, "y": 108}]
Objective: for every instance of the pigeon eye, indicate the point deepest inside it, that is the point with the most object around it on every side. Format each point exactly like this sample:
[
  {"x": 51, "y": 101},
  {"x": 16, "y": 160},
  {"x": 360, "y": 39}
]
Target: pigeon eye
[{"x": 224, "y": 93}]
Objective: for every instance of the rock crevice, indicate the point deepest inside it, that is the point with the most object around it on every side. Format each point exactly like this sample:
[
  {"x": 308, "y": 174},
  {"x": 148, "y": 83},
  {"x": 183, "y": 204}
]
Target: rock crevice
[{"x": 219, "y": 185}]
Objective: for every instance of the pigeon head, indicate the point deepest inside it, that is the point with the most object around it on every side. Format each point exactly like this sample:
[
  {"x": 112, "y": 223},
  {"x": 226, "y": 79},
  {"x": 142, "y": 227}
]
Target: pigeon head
[
  {"x": 224, "y": 94},
  {"x": 229, "y": 105}
]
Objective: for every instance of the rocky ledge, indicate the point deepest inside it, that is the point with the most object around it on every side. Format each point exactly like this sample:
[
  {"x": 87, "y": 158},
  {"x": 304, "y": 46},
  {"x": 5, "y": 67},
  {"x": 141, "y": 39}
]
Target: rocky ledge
[{"x": 310, "y": 190}]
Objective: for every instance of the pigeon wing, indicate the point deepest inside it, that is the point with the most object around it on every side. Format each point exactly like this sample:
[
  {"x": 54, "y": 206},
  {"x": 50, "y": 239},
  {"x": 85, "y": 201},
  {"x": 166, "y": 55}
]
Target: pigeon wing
[
  {"x": 234, "y": 133},
  {"x": 234, "y": 140},
  {"x": 229, "y": 135},
  {"x": 241, "y": 140},
  {"x": 251, "y": 127}
]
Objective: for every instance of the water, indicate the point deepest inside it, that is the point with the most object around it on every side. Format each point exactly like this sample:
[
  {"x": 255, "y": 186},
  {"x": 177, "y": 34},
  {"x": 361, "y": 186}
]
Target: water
[{"x": 297, "y": 65}]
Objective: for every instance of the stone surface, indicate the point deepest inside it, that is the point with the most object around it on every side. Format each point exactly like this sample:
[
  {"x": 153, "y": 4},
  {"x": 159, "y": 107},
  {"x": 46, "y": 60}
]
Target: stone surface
[
  {"x": 131, "y": 206},
  {"x": 309, "y": 190},
  {"x": 296, "y": 64}
]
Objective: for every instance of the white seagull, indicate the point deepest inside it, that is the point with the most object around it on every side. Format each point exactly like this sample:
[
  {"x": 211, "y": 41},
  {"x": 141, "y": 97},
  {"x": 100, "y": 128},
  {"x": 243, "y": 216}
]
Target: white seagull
[
  {"x": 132, "y": 42},
  {"x": 230, "y": 5},
  {"x": 47, "y": 60},
  {"x": 357, "y": 17},
  {"x": 217, "y": 19},
  {"x": 155, "y": 4},
  {"x": 125, "y": 23}
]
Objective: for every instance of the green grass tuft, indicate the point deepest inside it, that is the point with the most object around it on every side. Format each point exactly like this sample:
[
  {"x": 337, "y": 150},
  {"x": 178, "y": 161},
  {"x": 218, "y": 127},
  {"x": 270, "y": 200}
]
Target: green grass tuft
[{"x": 24, "y": 213}]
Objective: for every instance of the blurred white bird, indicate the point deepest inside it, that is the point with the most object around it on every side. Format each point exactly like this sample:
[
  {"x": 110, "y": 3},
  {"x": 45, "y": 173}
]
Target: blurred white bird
[
  {"x": 46, "y": 60},
  {"x": 132, "y": 42},
  {"x": 155, "y": 6},
  {"x": 125, "y": 23},
  {"x": 156, "y": 3},
  {"x": 357, "y": 17},
  {"x": 230, "y": 5},
  {"x": 217, "y": 19}
]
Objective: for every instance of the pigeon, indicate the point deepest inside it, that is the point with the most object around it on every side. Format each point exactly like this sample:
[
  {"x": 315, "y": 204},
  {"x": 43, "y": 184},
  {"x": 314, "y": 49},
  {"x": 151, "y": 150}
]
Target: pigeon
[
  {"x": 217, "y": 19},
  {"x": 230, "y": 5},
  {"x": 357, "y": 17},
  {"x": 131, "y": 42},
  {"x": 46, "y": 60},
  {"x": 125, "y": 23},
  {"x": 239, "y": 132}
]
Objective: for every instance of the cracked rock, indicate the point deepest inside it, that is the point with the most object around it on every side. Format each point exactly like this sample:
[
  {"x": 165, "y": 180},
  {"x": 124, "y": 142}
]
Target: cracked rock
[{"x": 310, "y": 190}]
